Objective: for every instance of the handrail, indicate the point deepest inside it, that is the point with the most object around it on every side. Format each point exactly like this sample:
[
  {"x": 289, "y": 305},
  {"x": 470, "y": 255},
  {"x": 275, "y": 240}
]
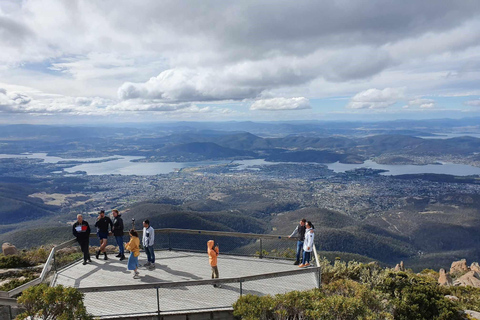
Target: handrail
[
  {"x": 161, "y": 285},
  {"x": 216, "y": 233},
  {"x": 51, "y": 257},
  {"x": 46, "y": 268}
]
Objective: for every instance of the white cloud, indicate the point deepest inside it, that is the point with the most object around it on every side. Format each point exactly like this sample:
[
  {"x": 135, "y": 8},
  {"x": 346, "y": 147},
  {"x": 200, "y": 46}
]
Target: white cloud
[
  {"x": 422, "y": 103},
  {"x": 473, "y": 103},
  {"x": 376, "y": 99},
  {"x": 279, "y": 104}
]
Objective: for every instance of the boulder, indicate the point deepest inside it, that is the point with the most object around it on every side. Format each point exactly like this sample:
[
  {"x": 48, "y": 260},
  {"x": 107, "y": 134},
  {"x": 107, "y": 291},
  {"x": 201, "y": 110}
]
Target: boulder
[
  {"x": 451, "y": 298},
  {"x": 400, "y": 267},
  {"x": 9, "y": 249},
  {"x": 110, "y": 248},
  {"x": 473, "y": 314},
  {"x": 444, "y": 279},
  {"x": 470, "y": 278},
  {"x": 459, "y": 266},
  {"x": 475, "y": 267}
]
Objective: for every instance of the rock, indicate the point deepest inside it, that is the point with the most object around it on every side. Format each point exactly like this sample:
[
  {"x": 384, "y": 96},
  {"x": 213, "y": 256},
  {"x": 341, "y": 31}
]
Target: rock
[
  {"x": 473, "y": 314},
  {"x": 400, "y": 267},
  {"x": 69, "y": 250},
  {"x": 459, "y": 266},
  {"x": 475, "y": 267},
  {"x": 452, "y": 298},
  {"x": 9, "y": 249},
  {"x": 470, "y": 278},
  {"x": 444, "y": 279},
  {"x": 110, "y": 248}
]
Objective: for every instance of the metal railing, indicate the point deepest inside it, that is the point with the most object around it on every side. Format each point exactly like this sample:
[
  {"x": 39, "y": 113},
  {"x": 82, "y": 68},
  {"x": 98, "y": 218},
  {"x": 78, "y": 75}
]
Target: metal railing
[
  {"x": 163, "y": 298},
  {"x": 231, "y": 243}
]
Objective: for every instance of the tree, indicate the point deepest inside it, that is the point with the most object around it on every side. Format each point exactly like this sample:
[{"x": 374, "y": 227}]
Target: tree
[{"x": 48, "y": 303}]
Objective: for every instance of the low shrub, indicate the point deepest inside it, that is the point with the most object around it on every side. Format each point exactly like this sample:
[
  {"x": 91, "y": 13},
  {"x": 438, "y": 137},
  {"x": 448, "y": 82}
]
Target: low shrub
[{"x": 14, "y": 261}]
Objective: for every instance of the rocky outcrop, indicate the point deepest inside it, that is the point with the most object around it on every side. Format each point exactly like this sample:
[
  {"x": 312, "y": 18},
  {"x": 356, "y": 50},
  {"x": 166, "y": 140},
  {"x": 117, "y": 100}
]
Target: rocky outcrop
[
  {"x": 473, "y": 314},
  {"x": 475, "y": 267},
  {"x": 459, "y": 266},
  {"x": 400, "y": 267},
  {"x": 9, "y": 249},
  {"x": 470, "y": 278},
  {"x": 444, "y": 279}
]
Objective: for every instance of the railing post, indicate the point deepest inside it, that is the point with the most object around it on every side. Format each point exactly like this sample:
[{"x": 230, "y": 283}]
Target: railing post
[
  {"x": 319, "y": 278},
  {"x": 169, "y": 242},
  {"x": 158, "y": 304},
  {"x": 261, "y": 249},
  {"x": 241, "y": 288}
]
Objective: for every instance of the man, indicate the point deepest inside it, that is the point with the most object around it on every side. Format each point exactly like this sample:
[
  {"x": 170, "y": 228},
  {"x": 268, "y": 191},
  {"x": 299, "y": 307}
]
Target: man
[
  {"x": 117, "y": 230},
  {"x": 102, "y": 231},
  {"x": 300, "y": 233},
  {"x": 148, "y": 241},
  {"x": 81, "y": 230}
]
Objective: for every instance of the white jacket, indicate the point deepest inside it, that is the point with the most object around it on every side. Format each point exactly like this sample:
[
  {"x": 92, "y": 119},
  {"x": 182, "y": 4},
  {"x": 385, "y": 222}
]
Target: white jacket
[
  {"x": 308, "y": 243},
  {"x": 148, "y": 237}
]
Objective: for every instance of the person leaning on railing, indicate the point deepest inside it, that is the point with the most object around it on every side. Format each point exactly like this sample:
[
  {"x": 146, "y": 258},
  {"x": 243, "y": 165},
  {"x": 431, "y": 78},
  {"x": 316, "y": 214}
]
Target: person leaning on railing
[
  {"x": 81, "y": 231},
  {"x": 300, "y": 233}
]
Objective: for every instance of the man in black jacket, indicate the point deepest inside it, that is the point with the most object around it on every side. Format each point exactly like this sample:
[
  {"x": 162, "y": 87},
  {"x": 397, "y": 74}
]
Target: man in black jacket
[
  {"x": 300, "y": 233},
  {"x": 81, "y": 230},
  {"x": 117, "y": 230},
  {"x": 102, "y": 231}
]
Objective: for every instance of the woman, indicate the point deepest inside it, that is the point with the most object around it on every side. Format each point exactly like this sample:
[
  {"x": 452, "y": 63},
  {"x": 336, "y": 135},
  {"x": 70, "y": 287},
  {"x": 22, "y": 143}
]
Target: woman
[
  {"x": 307, "y": 245},
  {"x": 134, "y": 247}
]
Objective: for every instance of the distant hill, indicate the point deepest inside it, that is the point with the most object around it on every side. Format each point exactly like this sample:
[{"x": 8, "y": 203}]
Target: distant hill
[{"x": 206, "y": 150}]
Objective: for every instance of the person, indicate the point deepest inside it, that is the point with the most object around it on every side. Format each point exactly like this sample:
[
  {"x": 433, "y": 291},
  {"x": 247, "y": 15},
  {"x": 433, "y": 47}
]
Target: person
[
  {"x": 212, "y": 259},
  {"x": 308, "y": 245},
  {"x": 81, "y": 231},
  {"x": 148, "y": 240},
  {"x": 300, "y": 233},
  {"x": 117, "y": 231},
  {"x": 102, "y": 231},
  {"x": 134, "y": 247}
]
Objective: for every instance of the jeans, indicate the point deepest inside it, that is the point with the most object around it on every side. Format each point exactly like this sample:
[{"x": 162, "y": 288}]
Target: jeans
[
  {"x": 84, "y": 245},
  {"x": 119, "y": 240},
  {"x": 150, "y": 254},
  {"x": 306, "y": 257},
  {"x": 299, "y": 249}
]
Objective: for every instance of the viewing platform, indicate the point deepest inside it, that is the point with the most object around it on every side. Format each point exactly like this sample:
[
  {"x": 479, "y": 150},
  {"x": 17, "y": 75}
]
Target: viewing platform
[
  {"x": 111, "y": 291},
  {"x": 180, "y": 287}
]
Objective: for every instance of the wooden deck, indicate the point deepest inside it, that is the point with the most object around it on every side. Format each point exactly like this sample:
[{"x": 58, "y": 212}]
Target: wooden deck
[{"x": 173, "y": 266}]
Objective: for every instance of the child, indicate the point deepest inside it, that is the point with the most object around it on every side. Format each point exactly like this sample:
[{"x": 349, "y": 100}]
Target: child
[
  {"x": 134, "y": 246},
  {"x": 212, "y": 258}
]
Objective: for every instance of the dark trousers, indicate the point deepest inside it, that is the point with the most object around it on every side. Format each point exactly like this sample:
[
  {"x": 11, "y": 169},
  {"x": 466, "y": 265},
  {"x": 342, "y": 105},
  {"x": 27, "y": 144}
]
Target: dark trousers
[
  {"x": 299, "y": 249},
  {"x": 306, "y": 257},
  {"x": 119, "y": 240},
  {"x": 85, "y": 246},
  {"x": 214, "y": 272},
  {"x": 150, "y": 254}
]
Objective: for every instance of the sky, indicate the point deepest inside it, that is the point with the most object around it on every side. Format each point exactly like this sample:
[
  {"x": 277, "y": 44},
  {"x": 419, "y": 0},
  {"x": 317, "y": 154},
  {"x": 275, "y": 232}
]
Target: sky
[{"x": 90, "y": 61}]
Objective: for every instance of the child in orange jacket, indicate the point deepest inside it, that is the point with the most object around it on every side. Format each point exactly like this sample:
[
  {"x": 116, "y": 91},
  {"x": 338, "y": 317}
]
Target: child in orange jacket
[{"x": 212, "y": 258}]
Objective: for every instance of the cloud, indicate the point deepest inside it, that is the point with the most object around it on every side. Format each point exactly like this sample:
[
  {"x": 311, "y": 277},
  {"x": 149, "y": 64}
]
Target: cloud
[
  {"x": 473, "y": 103},
  {"x": 13, "y": 102},
  {"x": 279, "y": 104},
  {"x": 376, "y": 99},
  {"x": 422, "y": 103}
]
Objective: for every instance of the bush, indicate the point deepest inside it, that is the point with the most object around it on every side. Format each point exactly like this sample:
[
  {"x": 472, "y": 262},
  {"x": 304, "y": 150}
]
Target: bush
[
  {"x": 15, "y": 283},
  {"x": 44, "y": 302},
  {"x": 416, "y": 297},
  {"x": 15, "y": 261}
]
